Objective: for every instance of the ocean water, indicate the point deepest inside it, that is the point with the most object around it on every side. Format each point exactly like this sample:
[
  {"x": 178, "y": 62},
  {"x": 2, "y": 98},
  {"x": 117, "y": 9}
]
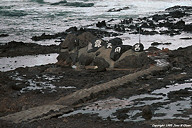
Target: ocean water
[{"x": 22, "y": 19}]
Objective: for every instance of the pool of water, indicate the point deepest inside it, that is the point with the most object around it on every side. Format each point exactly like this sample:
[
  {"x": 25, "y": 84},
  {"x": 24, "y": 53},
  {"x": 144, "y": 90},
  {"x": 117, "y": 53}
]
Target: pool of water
[
  {"x": 11, "y": 63},
  {"x": 163, "y": 107}
]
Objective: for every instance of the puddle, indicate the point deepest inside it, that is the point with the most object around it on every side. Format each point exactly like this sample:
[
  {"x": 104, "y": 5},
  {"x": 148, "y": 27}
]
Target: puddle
[
  {"x": 163, "y": 107},
  {"x": 11, "y": 63},
  {"x": 43, "y": 83}
]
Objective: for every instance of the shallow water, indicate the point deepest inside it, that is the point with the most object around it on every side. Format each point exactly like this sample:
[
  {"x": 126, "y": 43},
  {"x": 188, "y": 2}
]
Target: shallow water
[
  {"x": 163, "y": 107},
  {"x": 42, "y": 83},
  {"x": 11, "y": 63}
]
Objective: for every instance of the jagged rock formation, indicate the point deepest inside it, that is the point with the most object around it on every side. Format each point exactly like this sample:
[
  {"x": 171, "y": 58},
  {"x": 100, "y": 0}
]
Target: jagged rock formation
[{"x": 88, "y": 50}]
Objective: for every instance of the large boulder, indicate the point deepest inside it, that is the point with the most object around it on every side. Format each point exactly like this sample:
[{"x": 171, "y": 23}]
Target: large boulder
[
  {"x": 95, "y": 45},
  {"x": 181, "y": 57},
  {"x": 63, "y": 56},
  {"x": 85, "y": 38},
  {"x": 113, "y": 42},
  {"x": 118, "y": 50},
  {"x": 188, "y": 27},
  {"x": 70, "y": 42},
  {"x": 132, "y": 59},
  {"x": 105, "y": 53},
  {"x": 87, "y": 50},
  {"x": 67, "y": 58},
  {"x": 101, "y": 63},
  {"x": 138, "y": 47},
  {"x": 86, "y": 59},
  {"x": 73, "y": 41}
]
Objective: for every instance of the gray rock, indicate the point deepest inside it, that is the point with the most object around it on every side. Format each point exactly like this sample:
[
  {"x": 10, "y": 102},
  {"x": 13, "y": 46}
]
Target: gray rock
[
  {"x": 101, "y": 63},
  {"x": 118, "y": 50},
  {"x": 138, "y": 47},
  {"x": 134, "y": 61},
  {"x": 18, "y": 86},
  {"x": 70, "y": 42},
  {"x": 74, "y": 57},
  {"x": 147, "y": 112},
  {"x": 85, "y": 59},
  {"x": 85, "y": 38},
  {"x": 63, "y": 56},
  {"x": 114, "y": 42},
  {"x": 95, "y": 45}
]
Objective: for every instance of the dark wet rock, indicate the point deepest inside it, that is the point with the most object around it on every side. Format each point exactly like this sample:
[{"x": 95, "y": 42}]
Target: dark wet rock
[
  {"x": 71, "y": 29},
  {"x": 167, "y": 43},
  {"x": 145, "y": 25},
  {"x": 85, "y": 39},
  {"x": 186, "y": 38},
  {"x": 4, "y": 35},
  {"x": 157, "y": 43},
  {"x": 158, "y": 17},
  {"x": 174, "y": 32},
  {"x": 165, "y": 24},
  {"x": 132, "y": 26},
  {"x": 14, "y": 44},
  {"x": 108, "y": 45},
  {"x": 18, "y": 86},
  {"x": 119, "y": 27},
  {"x": 121, "y": 114},
  {"x": 118, "y": 9},
  {"x": 15, "y": 48},
  {"x": 48, "y": 36},
  {"x": 85, "y": 59},
  {"x": 101, "y": 63},
  {"x": 73, "y": 57},
  {"x": 101, "y": 24},
  {"x": 97, "y": 32},
  {"x": 134, "y": 61},
  {"x": 177, "y": 7},
  {"x": 127, "y": 21},
  {"x": 79, "y": 4},
  {"x": 138, "y": 47},
  {"x": 177, "y": 14},
  {"x": 181, "y": 57},
  {"x": 179, "y": 25},
  {"x": 116, "y": 41},
  {"x": 60, "y": 2},
  {"x": 63, "y": 56},
  {"x": 171, "y": 32},
  {"x": 95, "y": 45},
  {"x": 75, "y": 4},
  {"x": 147, "y": 112},
  {"x": 70, "y": 42},
  {"x": 145, "y": 32},
  {"x": 118, "y": 50},
  {"x": 54, "y": 70},
  {"x": 179, "y": 95},
  {"x": 152, "y": 49},
  {"x": 64, "y": 59},
  {"x": 188, "y": 28}
]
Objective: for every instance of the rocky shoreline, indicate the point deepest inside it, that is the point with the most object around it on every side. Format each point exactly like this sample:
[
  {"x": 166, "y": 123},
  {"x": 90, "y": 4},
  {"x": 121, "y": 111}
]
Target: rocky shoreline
[{"x": 86, "y": 61}]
